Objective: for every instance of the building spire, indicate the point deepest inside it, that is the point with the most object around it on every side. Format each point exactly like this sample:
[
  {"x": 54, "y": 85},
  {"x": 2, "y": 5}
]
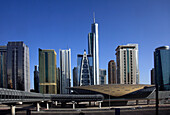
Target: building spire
[{"x": 94, "y": 17}]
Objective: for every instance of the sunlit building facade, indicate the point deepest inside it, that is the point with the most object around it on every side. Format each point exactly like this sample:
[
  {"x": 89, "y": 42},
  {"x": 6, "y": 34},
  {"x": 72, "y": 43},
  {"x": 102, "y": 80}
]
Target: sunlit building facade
[
  {"x": 85, "y": 69},
  {"x": 112, "y": 72},
  {"x": 65, "y": 71},
  {"x": 47, "y": 71},
  {"x": 93, "y": 49},
  {"x": 127, "y": 64},
  {"x": 162, "y": 67}
]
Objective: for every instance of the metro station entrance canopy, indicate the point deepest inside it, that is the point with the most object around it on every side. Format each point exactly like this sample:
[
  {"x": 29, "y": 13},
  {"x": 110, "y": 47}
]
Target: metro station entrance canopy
[{"x": 115, "y": 90}]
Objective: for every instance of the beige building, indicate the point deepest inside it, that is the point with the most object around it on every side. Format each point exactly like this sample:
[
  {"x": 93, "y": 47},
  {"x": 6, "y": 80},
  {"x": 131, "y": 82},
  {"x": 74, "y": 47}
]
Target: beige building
[
  {"x": 112, "y": 72},
  {"x": 127, "y": 64}
]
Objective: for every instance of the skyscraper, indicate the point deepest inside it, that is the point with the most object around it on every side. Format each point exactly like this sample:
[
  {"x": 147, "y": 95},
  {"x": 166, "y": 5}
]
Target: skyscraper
[
  {"x": 18, "y": 66},
  {"x": 153, "y": 76},
  {"x": 93, "y": 49},
  {"x": 127, "y": 64},
  {"x": 65, "y": 71},
  {"x": 3, "y": 75},
  {"x": 47, "y": 71},
  {"x": 112, "y": 72},
  {"x": 58, "y": 79},
  {"x": 75, "y": 77},
  {"x": 85, "y": 69},
  {"x": 162, "y": 67},
  {"x": 36, "y": 79},
  {"x": 102, "y": 76}
]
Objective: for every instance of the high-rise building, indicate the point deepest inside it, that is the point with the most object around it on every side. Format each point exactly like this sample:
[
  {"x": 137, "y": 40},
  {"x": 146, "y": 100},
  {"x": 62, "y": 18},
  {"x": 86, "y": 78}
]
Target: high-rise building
[
  {"x": 152, "y": 76},
  {"x": 47, "y": 71},
  {"x": 58, "y": 79},
  {"x": 75, "y": 77},
  {"x": 93, "y": 49},
  {"x": 85, "y": 69},
  {"x": 65, "y": 71},
  {"x": 127, "y": 64},
  {"x": 3, "y": 71},
  {"x": 102, "y": 76},
  {"x": 112, "y": 72},
  {"x": 162, "y": 67},
  {"x": 18, "y": 66},
  {"x": 36, "y": 79}
]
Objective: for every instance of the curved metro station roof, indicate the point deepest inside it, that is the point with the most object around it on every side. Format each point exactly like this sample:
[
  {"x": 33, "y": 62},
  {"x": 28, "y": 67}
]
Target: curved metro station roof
[{"x": 115, "y": 90}]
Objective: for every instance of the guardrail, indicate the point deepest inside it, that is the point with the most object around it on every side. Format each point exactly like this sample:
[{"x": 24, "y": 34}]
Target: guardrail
[{"x": 13, "y": 96}]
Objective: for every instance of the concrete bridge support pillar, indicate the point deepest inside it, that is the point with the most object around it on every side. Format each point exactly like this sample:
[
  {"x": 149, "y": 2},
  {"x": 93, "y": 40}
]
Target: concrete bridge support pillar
[
  {"x": 12, "y": 109},
  {"x": 89, "y": 103},
  {"x": 38, "y": 106},
  {"x": 74, "y": 104},
  {"x": 100, "y": 104},
  {"x": 56, "y": 103},
  {"x": 137, "y": 102},
  {"x": 148, "y": 102},
  {"x": 47, "y": 106}
]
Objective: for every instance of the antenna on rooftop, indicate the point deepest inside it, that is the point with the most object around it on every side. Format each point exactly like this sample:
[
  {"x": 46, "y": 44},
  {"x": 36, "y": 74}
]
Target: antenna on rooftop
[{"x": 94, "y": 17}]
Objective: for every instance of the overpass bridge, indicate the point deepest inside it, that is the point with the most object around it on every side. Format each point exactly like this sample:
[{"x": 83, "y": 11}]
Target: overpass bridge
[{"x": 12, "y": 97}]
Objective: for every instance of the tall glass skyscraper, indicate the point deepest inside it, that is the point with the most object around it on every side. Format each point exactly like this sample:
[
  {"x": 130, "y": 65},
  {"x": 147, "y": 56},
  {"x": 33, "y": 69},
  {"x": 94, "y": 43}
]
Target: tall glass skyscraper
[
  {"x": 162, "y": 67},
  {"x": 47, "y": 71},
  {"x": 127, "y": 64},
  {"x": 75, "y": 77},
  {"x": 65, "y": 71},
  {"x": 58, "y": 79},
  {"x": 18, "y": 66},
  {"x": 93, "y": 49},
  {"x": 84, "y": 69},
  {"x": 36, "y": 79},
  {"x": 3, "y": 67}
]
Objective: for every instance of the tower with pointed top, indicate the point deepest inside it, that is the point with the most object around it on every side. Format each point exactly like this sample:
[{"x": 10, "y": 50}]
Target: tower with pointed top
[
  {"x": 93, "y": 49},
  {"x": 84, "y": 69}
]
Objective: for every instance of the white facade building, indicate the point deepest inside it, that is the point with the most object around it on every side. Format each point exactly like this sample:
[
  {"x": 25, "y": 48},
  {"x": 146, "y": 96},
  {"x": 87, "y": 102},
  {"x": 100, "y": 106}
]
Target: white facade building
[
  {"x": 65, "y": 71},
  {"x": 93, "y": 49},
  {"x": 127, "y": 64}
]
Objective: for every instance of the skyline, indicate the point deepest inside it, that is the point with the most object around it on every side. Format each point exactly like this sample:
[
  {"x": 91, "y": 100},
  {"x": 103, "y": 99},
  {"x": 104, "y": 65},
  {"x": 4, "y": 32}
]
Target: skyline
[{"x": 36, "y": 23}]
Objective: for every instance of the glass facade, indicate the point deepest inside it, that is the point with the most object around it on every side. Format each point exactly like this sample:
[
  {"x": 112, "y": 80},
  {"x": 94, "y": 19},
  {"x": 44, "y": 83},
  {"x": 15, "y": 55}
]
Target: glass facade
[
  {"x": 36, "y": 79},
  {"x": 65, "y": 71},
  {"x": 93, "y": 50},
  {"x": 85, "y": 69},
  {"x": 162, "y": 67},
  {"x": 79, "y": 62},
  {"x": 58, "y": 79},
  {"x": 18, "y": 68},
  {"x": 102, "y": 76},
  {"x": 3, "y": 77},
  {"x": 47, "y": 72},
  {"x": 75, "y": 77}
]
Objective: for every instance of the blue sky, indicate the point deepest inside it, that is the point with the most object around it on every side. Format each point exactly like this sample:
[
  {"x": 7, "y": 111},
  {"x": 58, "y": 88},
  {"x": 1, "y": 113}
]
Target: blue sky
[{"x": 61, "y": 24}]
